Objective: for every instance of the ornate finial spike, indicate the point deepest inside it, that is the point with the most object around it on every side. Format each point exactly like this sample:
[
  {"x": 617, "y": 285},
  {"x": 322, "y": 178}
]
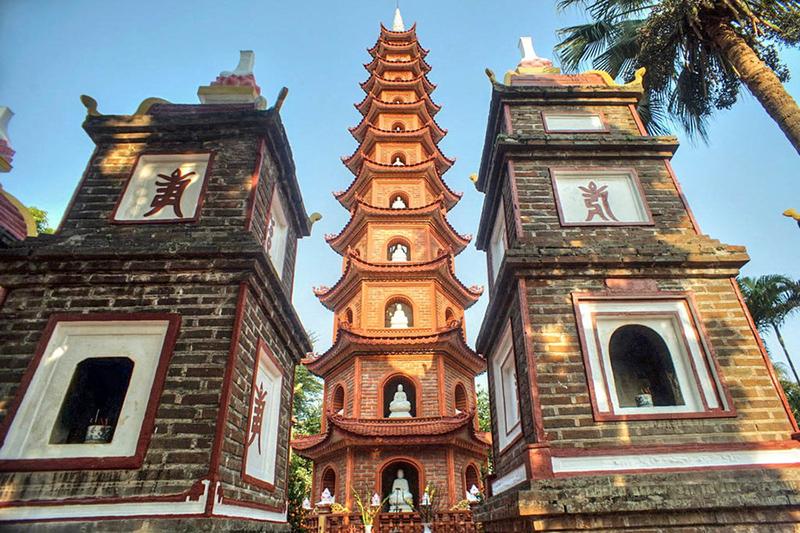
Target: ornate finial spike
[
  {"x": 397, "y": 23},
  {"x": 282, "y": 94},
  {"x": 490, "y": 74}
]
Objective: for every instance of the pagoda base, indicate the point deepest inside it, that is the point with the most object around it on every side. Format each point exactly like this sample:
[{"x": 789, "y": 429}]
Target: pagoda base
[{"x": 733, "y": 500}]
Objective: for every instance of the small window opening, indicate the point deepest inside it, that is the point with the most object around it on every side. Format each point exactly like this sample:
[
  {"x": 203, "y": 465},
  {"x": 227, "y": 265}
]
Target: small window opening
[
  {"x": 398, "y": 127},
  {"x": 338, "y": 400},
  {"x": 398, "y": 252},
  {"x": 398, "y": 160},
  {"x": 472, "y": 478},
  {"x": 449, "y": 315},
  {"x": 461, "y": 399},
  {"x": 399, "y": 315},
  {"x": 397, "y": 100},
  {"x": 348, "y": 315},
  {"x": 644, "y": 374},
  {"x": 91, "y": 407}
]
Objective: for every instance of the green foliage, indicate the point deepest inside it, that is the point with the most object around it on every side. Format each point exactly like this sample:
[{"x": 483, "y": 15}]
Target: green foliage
[
  {"x": 484, "y": 413},
  {"x": 307, "y": 409},
  {"x": 299, "y": 488},
  {"x": 790, "y": 388},
  {"x": 688, "y": 76},
  {"x": 771, "y": 299},
  {"x": 306, "y": 415},
  {"x": 42, "y": 222}
]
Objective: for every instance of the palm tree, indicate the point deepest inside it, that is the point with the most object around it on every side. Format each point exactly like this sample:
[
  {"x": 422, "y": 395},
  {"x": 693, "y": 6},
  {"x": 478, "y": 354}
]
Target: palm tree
[
  {"x": 771, "y": 300},
  {"x": 696, "y": 53}
]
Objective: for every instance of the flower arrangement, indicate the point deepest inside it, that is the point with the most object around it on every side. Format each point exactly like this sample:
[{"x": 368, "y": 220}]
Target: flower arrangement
[
  {"x": 429, "y": 504},
  {"x": 338, "y": 508},
  {"x": 368, "y": 508}
]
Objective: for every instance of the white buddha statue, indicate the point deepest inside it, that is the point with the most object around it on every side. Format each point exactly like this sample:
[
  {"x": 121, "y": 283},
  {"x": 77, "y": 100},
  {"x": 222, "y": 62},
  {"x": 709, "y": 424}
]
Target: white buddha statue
[
  {"x": 399, "y": 318},
  {"x": 400, "y": 499},
  {"x": 399, "y": 203},
  {"x": 398, "y": 162},
  {"x": 400, "y": 254},
  {"x": 400, "y": 406}
]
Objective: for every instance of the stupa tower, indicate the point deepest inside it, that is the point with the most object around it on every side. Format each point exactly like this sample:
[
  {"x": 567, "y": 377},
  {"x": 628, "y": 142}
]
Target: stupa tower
[{"x": 399, "y": 378}]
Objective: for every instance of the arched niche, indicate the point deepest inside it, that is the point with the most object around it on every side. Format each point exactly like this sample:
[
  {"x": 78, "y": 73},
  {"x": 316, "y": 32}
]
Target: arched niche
[
  {"x": 397, "y": 100},
  {"x": 398, "y": 251},
  {"x": 644, "y": 374},
  {"x": 337, "y": 405},
  {"x": 349, "y": 316},
  {"x": 472, "y": 476},
  {"x": 399, "y": 200},
  {"x": 398, "y": 127},
  {"x": 389, "y": 389},
  {"x": 412, "y": 472},
  {"x": 460, "y": 398},
  {"x": 398, "y": 159},
  {"x": 399, "y": 314},
  {"x": 328, "y": 481}
]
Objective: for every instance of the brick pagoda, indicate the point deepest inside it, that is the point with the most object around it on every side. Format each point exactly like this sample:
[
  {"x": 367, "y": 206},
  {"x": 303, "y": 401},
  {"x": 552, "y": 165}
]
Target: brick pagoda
[
  {"x": 399, "y": 378},
  {"x": 630, "y": 389},
  {"x": 148, "y": 347}
]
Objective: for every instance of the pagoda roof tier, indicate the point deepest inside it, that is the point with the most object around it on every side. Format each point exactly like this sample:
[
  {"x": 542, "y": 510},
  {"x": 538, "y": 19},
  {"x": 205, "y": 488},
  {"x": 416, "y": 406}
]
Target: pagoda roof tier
[
  {"x": 371, "y": 107},
  {"x": 422, "y": 136},
  {"x": 340, "y": 432},
  {"x": 356, "y": 270},
  {"x": 418, "y": 87},
  {"x": 437, "y": 133},
  {"x": 382, "y": 46},
  {"x": 372, "y": 169},
  {"x": 406, "y": 36},
  {"x": 365, "y": 213},
  {"x": 421, "y": 84},
  {"x": 379, "y": 66},
  {"x": 349, "y": 343}
]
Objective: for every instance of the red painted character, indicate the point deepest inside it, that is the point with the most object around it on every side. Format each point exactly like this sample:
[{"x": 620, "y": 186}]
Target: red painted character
[
  {"x": 169, "y": 192},
  {"x": 596, "y": 200},
  {"x": 259, "y": 402}
]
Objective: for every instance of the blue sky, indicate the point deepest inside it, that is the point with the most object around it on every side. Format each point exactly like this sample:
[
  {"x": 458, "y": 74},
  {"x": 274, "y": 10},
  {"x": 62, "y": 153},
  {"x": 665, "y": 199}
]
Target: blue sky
[{"x": 123, "y": 52}]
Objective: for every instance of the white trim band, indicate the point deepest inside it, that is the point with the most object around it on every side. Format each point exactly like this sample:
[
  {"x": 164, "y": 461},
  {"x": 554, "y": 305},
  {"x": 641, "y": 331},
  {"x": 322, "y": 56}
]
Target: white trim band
[{"x": 653, "y": 461}]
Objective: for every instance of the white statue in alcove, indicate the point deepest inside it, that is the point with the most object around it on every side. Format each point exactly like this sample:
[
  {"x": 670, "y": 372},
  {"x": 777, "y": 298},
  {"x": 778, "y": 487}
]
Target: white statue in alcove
[{"x": 399, "y": 318}]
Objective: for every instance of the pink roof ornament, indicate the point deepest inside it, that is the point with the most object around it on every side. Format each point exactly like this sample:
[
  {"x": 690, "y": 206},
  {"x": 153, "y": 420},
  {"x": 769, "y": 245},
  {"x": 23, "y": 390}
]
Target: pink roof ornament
[
  {"x": 6, "y": 153},
  {"x": 236, "y": 86}
]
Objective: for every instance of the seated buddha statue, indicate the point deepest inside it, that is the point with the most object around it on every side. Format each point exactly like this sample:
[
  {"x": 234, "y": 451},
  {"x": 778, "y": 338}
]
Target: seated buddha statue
[
  {"x": 399, "y": 319},
  {"x": 400, "y": 499},
  {"x": 400, "y": 406}
]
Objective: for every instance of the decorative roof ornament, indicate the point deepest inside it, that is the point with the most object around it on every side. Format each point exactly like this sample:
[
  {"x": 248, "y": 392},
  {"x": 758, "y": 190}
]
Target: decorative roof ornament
[
  {"x": 397, "y": 23},
  {"x": 235, "y": 87},
  {"x": 530, "y": 64},
  {"x": 6, "y": 153}
]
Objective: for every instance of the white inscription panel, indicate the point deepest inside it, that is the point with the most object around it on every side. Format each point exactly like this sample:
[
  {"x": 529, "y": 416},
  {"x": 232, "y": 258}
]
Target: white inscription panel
[
  {"x": 599, "y": 197},
  {"x": 164, "y": 188},
  {"x": 265, "y": 406}
]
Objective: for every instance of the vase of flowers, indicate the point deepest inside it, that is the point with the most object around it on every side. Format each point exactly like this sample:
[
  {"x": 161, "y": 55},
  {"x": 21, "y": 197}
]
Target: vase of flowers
[
  {"x": 428, "y": 507},
  {"x": 368, "y": 509}
]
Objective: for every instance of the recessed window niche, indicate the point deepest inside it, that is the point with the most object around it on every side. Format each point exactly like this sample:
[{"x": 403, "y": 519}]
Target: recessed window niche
[{"x": 91, "y": 407}]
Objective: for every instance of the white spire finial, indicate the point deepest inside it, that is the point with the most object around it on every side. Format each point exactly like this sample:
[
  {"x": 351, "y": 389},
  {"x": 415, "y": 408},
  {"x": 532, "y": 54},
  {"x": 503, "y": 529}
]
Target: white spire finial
[
  {"x": 526, "y": 49},
  {"x": 397, "y": 23}
]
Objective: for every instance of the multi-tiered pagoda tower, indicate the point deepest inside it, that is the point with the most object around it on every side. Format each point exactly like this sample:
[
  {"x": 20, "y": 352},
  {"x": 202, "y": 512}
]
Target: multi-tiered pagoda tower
[{"x": 399, "y": 378}]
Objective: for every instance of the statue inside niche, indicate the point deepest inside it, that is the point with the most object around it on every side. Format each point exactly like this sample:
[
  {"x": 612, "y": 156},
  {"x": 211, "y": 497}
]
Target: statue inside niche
[
  {"x": 399, "y": 203},
  {"x": 399, "y": 253},
  {"x": 399, "y": 318},
  {"x": 398, "y": 162},
  {"x": 400, "y": 406},
  {"x": 401, "y": 499}
]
